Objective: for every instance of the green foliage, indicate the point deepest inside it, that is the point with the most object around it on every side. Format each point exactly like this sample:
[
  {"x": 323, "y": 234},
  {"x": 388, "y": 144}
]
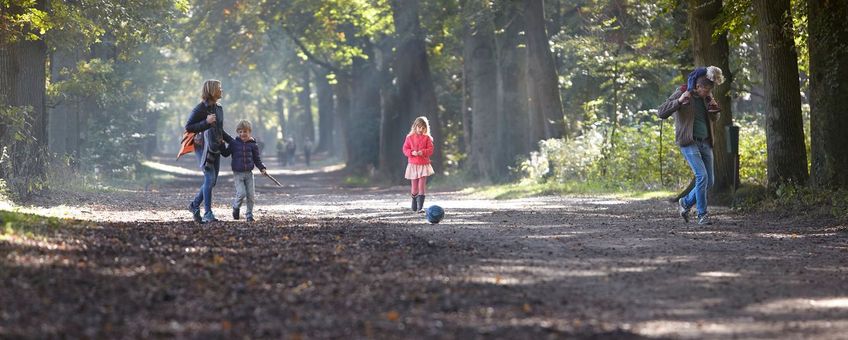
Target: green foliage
[
  {"x": 22, "y": 19},
  {"x": 752, "y": 153},
  {"x": 26, "y": 225},
  {"x": 635, "y": 159},
  {"x": 19, "y": 153}
]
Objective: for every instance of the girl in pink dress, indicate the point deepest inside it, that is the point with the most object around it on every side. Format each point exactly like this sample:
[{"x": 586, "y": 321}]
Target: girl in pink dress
[{"x": 418, "y": 147}]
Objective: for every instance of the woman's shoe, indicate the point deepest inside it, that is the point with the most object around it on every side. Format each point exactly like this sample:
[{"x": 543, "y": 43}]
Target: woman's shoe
[{"x": 195, "y": 213}]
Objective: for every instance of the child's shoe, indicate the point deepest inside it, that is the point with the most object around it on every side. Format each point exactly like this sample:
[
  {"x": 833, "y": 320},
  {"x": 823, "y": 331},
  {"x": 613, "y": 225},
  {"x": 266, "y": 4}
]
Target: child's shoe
[
  {"x": 420, "y": 204},
  {"x": 415, "y": 203},
  {"x": 235, "y": 213}
]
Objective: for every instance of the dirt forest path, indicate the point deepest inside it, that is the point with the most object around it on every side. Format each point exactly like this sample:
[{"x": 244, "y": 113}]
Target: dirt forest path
[{"x": 329, "y": 261}]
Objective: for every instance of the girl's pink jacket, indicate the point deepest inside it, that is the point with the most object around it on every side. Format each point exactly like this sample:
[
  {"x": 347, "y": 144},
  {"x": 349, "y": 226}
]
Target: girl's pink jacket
[{"x": 416, "y": 142}]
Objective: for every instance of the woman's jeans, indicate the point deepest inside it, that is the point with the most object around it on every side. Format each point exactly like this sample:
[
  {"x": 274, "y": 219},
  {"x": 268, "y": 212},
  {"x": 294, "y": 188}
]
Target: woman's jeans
[
  {"x": 245, "y": 191},
  {"x": 699, "y": 155},
  {"x": 210, "y": 178}
]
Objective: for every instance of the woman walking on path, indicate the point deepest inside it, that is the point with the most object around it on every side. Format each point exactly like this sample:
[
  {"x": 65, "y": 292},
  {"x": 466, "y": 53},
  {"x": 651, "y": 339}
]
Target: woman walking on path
[
  {"x": 207, "y": 120},
  {"x": 418, "y": 147},
  {"x": 695, "y": 113}
]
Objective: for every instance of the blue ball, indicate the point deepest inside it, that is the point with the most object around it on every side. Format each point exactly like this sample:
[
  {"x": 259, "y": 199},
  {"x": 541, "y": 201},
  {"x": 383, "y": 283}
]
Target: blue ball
[{"x": 435, "y": 214}]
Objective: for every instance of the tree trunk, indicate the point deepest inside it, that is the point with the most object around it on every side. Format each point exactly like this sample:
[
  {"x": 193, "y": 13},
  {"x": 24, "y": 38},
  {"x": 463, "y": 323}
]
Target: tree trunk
[
  {"x": 482, "y": 79},
  {"x": 342, "y": 117},
  {"x": 787, "y": 155},
  {"x": 304, "y": 103},
  {"x": 64, "y": 121},
  {"x": 828, "y": 92},
  {"x": 23, "y": 73},
  {"x": 326, "y": 111},
  {"x": 702, "y": 16},
  {"x": 542, "y": 74},
  {"x": 513, "y": 118},
  {"x": 364, "y": 123}
]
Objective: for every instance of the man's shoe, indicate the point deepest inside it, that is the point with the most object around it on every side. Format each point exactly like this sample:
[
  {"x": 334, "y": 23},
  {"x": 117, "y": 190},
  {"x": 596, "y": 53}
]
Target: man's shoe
[
  {"x": 682, "y": 210},
  {"x": 235, "y": 213},
  {"x": 705, "y": 219}
]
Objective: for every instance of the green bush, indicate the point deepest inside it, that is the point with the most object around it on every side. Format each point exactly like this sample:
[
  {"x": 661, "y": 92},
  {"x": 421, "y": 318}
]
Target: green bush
[{"x": 634, "y": 157}]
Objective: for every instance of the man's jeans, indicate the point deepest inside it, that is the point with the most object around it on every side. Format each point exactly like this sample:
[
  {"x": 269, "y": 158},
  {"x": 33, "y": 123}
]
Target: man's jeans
[
  {"x": 244, "y": 190},
  {"x": 699, "y": 155},
  {"x": 210, "y": 178}
]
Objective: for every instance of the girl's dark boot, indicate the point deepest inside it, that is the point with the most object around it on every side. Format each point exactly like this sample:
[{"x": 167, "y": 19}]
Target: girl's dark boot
[
  {"x": 420, "y": 203},
  {"x": 414, "y": 202}
]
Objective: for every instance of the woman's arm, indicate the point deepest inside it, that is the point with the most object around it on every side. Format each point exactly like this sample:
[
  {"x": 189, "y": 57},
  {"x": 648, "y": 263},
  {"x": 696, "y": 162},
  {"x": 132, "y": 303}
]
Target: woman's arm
[
  {"x": 228, "y": 138},
  {"x": 197, "y": 120}
]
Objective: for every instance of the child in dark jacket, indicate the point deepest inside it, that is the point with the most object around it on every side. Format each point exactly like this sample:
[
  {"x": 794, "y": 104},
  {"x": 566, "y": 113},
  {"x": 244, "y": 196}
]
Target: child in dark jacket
[{"x": 245, "y": 155}]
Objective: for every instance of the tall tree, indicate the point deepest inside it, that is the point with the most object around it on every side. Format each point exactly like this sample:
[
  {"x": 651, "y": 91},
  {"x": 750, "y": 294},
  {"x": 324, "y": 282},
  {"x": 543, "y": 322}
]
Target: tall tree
[
  {"x": 326, "y": 110},
  {"x": 787, "y": 155},
  {"x": 23, "y": 76},
  {"x": 709, "y": 51},
  {"x": 828, "y": 31},
  {"x": 513, "y": 117},
  {"x": 304, "y": 104},
  {"x": 542, "y": 74},
  {"x": 482, "y": 81}
]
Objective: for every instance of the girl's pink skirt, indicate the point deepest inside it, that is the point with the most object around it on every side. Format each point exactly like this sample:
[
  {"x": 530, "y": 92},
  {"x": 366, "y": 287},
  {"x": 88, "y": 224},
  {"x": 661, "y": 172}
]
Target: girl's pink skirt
[{"x": 415, "y": 171}]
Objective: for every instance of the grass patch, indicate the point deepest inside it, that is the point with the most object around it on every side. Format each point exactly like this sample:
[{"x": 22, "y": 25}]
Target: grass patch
[
  {"x": 522, "y": 190},
  {"x": 357, "y": 181},
  {"x": 26, "y": 225}
]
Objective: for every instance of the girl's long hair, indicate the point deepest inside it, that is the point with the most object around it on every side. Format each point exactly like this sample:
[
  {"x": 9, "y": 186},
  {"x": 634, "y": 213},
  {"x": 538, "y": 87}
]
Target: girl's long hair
[{"x": 420, "y": 121}]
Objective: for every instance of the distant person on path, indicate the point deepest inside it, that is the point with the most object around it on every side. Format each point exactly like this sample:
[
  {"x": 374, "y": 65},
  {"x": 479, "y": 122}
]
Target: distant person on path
[
  {"x": 695, "y": 112},
  {"x": 245, "y": 152},
  {"x": 281, "y": 152},
  {"x": 307, "y": 151},
  {"x": 207, "y": 120},
  {"x": 418, "y": 147},
  {"x": 290, "y": 149}
]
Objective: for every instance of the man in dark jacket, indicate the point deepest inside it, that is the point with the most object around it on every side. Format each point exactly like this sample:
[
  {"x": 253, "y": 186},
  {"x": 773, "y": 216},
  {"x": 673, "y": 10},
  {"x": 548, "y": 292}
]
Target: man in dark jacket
[
  {"x": 695, "y": 112},
  {"x": 245, "y": 156}
]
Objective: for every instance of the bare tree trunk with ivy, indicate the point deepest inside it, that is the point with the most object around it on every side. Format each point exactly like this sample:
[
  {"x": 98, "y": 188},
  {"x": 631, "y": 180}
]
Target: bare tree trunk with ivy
[
  {"x": 513, "y": 119},
  {"x": 542, "y": 74},
  {"x": 23, "y": 84},
  {"x": 482, "y": 79},
  {"x": 828, "y": 30}
]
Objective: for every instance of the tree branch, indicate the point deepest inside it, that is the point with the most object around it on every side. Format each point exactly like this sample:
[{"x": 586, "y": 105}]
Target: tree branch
[{"x": 312, "y": 57}]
